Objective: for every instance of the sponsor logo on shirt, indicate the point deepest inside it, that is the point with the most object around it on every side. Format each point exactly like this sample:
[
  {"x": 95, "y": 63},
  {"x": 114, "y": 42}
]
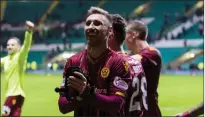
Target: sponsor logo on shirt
[
  {"x": 101, "y": 91},
  {"x": 105, "y": 72}
]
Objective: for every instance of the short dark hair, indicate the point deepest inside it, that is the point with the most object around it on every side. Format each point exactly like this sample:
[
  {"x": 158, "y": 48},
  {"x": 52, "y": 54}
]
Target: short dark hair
[
  {"x": 138, "y": 26},
  {"x": 17, "y": 39},
  {"x": 119, "y": 25},
  {"x": 97, "y": 10}
]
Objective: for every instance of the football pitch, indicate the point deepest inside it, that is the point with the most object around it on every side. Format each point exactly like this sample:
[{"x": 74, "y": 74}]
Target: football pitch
[{"x": 177, "y": 93}]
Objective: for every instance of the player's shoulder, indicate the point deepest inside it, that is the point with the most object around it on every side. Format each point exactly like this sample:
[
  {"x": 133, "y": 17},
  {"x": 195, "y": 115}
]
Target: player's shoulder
[
  {"x": 76, "y": 57},
  {"x": 4, "y": 58},
  {"x": 122, "y": 54},
  {"x": 151, "y": 51},
  {"x": 135, "y": 61},
  {"x": 136, "y": 57},
  {"x": 120, "y": 61},
  {"x": 118, "y": 56}
]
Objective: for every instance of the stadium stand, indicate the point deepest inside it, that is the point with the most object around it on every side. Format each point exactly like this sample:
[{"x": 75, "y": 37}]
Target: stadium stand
[
  {"x": 27, "y": 8},
  {"x": 63, "y": 23}
]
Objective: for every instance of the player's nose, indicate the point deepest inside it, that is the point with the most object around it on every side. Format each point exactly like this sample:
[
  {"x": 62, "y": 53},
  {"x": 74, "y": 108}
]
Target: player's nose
[
  {"x": 9, "y": 48},
  {"x": 91, "y": 30},
  {"x": 91, "y": 25}
]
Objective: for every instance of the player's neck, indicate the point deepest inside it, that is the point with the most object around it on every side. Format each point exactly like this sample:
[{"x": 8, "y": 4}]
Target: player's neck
[
  {"x": 11, "y": 55},
  {"x": 140, "y": 45},
  {"x": 95, "y": 52},
  {"x": 116, "y": 49}
]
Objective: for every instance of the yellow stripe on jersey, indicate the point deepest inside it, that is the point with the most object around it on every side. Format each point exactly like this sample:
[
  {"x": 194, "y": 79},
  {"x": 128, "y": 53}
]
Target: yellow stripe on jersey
[
  {"x": 151, "y": 48},
  {"x": 120, "y": 94}
]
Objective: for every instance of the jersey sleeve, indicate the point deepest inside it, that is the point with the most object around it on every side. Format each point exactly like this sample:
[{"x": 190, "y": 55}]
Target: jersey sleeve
[
  {"x": 26, "y": 46},
  {"x": 150, "y": 58},
  {"x": 198, "y": 110},
  {"x": 121, "y": 78},
  {"x": 65, "y": 105}
]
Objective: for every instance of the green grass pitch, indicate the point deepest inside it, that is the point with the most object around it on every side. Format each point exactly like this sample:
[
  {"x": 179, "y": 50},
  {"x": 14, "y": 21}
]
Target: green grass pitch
[{"x": 177, "y": 93}]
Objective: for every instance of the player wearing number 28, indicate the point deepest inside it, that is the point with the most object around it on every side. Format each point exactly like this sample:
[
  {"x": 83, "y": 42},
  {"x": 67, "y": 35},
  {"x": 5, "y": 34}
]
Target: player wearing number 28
[
  {"x": 136, "y": 35},
  {"x": 136, "y": 101}
]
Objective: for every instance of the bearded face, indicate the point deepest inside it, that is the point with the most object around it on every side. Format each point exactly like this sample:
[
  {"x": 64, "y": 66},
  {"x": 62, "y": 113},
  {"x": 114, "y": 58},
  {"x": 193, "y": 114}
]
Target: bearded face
[{"x": 96, "y": 29}]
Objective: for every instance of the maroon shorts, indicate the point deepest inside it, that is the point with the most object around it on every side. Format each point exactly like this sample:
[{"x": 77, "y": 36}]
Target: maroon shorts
[{"x": 12, "y": 106}]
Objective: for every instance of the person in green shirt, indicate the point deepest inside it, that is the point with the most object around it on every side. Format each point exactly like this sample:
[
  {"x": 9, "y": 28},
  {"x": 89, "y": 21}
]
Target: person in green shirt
[{"x": 14, "y": 65}]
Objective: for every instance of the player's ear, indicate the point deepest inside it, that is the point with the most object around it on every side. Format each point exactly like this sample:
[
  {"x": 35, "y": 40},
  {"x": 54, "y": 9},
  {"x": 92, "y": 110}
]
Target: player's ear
[
  {"x": 110, "y": 30},
  {"x": 19, "y": 47},
  {"x": 110, "y": 33},
  {"x": 135, "y": 35}
]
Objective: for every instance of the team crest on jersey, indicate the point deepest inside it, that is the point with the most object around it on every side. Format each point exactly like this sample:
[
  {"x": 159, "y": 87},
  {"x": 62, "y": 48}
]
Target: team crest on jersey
[
  {"x": 14, "y": 101},
  {"x": 126, "y": 65},
  {"x": 105, "y": 72}
]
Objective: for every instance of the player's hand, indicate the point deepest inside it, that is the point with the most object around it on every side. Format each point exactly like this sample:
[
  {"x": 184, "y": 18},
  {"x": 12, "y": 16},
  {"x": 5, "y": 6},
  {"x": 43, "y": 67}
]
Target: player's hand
[
  {"x": 29, "y": 26},
  {"x": 78, "y": 83}
]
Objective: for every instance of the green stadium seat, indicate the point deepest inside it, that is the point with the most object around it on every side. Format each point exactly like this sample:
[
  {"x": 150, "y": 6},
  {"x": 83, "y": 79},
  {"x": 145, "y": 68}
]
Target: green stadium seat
[
  {"x": 22, "y": 11},
  {"x": 170, "y": 54}
]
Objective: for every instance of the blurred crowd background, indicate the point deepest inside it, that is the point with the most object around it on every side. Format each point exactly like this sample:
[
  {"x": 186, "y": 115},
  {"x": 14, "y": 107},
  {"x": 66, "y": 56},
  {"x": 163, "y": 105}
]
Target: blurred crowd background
[{"x": 176, "y": 28}]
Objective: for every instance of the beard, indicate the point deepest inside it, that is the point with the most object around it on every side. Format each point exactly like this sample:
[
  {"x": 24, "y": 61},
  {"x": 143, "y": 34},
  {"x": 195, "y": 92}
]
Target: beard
[{"x": 96, "y": 40}]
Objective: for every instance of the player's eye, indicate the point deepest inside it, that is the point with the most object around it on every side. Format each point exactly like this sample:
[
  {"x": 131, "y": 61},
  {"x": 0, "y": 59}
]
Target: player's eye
[
  {"x": 88, "y": 23},
  {"x": 128, "y": 34},
  {"x": 97, "y": 23}
]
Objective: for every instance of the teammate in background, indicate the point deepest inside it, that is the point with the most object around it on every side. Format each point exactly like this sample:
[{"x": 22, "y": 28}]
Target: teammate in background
[
  {"x": 194, "y": 112},
  {"x": 136, "y": 35},
  {"x": 106, "y": 69},
  {"x": 136, "y": 102},
  {"x": 14, "y": 67}
]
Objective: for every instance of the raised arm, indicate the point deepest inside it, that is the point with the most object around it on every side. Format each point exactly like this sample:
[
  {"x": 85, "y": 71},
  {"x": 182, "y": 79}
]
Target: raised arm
[{"x": 27, "y": 41}]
